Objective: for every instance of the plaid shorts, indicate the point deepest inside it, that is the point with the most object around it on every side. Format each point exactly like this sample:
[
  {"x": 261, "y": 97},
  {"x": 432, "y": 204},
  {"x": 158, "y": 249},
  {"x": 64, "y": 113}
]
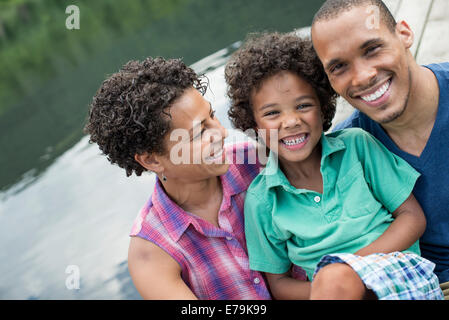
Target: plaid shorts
[{"x": 393, "y": 276}]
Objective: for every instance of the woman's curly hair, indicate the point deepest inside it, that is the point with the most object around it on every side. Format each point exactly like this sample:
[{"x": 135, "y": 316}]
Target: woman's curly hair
[
  {"x": 264, "y": 55},
  {"x": 130, "y": 112}
]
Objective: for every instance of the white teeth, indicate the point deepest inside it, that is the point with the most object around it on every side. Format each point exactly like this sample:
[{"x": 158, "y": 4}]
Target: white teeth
[
  {"x": 294, "y": 141},
  {"x": 379, "y": 93}
]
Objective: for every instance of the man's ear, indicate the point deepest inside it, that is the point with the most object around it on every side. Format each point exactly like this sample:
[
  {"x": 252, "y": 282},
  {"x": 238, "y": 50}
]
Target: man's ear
[
  {"x": 149, "y": 161},
  {"x": 405, "y": 33}
]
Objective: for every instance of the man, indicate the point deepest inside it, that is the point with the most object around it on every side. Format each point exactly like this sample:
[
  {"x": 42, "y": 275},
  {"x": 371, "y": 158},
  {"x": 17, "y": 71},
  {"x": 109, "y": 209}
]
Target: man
[{"x": 366, "y": 56}]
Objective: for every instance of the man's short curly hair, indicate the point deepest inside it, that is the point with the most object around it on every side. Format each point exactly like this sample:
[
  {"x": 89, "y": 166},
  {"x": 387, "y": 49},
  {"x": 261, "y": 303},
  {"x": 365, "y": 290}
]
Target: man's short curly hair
[
  {"x": 264, "y": 55},
  {"x": 130, "y": 112}
]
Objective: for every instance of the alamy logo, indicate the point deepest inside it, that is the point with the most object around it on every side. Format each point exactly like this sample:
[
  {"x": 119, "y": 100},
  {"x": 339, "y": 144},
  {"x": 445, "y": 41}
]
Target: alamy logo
[
  {"x": 373, "y": 20},
  {"x": 73, "y": 20},
  {"x": 72, "y": 282}
]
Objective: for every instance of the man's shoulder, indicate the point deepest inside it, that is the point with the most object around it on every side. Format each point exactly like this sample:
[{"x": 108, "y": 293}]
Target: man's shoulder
[
  {"x": 359, "y": 120},
  {"x": 354, "y": 120},
  {"x": 439, "y": 68}
]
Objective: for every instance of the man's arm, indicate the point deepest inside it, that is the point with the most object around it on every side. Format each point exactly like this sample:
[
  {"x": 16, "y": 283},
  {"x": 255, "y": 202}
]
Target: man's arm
[
  {"x": 408, "y": 226},
  {"x": 284, "y": 287},
  {"x": 156, "y": 275}
]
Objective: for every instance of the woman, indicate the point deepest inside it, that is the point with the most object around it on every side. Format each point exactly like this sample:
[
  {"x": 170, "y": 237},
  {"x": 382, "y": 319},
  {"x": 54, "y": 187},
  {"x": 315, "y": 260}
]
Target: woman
[{"x": 188, "y": 241}]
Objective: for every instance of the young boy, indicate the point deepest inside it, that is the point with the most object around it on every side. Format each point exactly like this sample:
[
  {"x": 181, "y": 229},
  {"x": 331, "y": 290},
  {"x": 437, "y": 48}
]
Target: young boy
[{"x": 338, "y": 205}]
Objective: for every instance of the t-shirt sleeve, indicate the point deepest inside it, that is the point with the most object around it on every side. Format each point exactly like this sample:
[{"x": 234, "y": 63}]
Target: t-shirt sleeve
[
  {"x": 349, "y": 122},
  {"x": 391, "y": 178},
  {"x": 267, "y": 247}
]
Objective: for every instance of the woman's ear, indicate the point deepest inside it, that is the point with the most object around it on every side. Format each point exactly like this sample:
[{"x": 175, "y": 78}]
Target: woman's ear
[{"x": 149, "y": 161}]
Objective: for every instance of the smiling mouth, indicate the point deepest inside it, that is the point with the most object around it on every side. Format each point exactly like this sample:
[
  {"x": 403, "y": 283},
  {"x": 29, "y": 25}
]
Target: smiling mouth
[
  {"x": 378, "y": 94},
  {"x": 293, "y": 142}
]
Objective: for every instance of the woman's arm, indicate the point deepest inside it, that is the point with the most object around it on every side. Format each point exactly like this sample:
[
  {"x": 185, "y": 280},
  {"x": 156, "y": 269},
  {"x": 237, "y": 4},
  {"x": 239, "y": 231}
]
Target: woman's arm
[
  {"x": 408, "y": 226},
  {"x": 284, "y": 287},
  {"x": 156, "y": 275}
]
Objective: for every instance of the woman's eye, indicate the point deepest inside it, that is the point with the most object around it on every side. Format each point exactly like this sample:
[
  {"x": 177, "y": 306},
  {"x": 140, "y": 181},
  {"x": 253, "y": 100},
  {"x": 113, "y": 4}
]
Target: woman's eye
[
  {"x": 337, "y": 68},
  {"x": 199, "y": 135},
  {"x": 202, "y": 132}
]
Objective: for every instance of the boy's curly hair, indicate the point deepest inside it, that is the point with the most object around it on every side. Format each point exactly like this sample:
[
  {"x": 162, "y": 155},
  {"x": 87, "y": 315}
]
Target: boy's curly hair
[
  {"x": 264, "y": 55},
  {"x": 130, "y": 112}
]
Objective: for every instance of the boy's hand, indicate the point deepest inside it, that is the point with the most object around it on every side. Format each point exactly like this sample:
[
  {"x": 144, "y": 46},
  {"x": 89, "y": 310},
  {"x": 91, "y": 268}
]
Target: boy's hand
[{"x": 408, "y": 226}]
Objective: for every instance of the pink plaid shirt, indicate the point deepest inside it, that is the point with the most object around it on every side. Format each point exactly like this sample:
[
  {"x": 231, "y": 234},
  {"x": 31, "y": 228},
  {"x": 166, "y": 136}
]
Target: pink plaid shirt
[{"x": 213, "y": 260}]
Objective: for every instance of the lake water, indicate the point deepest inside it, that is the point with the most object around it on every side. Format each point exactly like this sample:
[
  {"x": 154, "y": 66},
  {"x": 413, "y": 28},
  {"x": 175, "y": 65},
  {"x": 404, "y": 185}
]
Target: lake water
[{"x": 66, "y": 211}]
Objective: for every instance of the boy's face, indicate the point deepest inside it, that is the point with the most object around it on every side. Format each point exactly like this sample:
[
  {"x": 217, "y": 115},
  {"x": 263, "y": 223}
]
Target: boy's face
[
  {"x": 289, "y": 105},
  {"x": 367, "y": 64}
]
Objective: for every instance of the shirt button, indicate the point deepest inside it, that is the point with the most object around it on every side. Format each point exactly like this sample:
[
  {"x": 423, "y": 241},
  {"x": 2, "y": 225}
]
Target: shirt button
[
  {"x": 317, "y": 199},
  {"x": 256, "y": 280},
  {"x": 229, "y": 238}
]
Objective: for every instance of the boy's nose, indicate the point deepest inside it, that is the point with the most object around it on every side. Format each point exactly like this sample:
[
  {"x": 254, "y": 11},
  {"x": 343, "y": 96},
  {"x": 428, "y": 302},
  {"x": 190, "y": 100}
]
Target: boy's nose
[{"x": 291, "y": 121}]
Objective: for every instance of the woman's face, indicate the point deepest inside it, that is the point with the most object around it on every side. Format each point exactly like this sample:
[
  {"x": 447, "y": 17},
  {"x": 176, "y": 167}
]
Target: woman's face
[
  {"x": 288, "y": 105},
  {"x": 195, "y": 142}
]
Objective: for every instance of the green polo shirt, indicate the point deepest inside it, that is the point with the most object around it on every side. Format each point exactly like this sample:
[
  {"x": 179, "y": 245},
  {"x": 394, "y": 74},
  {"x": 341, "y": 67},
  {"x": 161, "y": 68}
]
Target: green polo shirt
[{"x": 362, "y": 184}]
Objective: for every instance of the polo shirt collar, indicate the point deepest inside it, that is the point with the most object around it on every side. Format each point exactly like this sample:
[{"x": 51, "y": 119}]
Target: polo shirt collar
[
  {"x": 274, "y": 175},
  {"x": 330, "y": 145},
  {"x": 176, "y": 220}
]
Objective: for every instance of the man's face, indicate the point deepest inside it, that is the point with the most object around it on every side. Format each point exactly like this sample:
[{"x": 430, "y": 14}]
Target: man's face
[{"x": 367, "y": 65}]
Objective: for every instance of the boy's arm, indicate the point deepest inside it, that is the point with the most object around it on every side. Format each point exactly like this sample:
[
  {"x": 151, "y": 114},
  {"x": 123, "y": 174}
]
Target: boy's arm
[
  {"x": 284, "y": 287},
  {"x": 156, "y": 275},
  {"x": 408, "y": 226}
]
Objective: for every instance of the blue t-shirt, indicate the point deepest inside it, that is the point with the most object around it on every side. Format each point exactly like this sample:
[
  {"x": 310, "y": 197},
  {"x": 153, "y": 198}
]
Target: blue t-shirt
[{"x": 432, "y": 188}]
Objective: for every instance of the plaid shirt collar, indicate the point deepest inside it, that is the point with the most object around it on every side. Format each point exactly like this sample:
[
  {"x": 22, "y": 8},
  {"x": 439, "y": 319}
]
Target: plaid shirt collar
[{"x": 176, "y": 220}]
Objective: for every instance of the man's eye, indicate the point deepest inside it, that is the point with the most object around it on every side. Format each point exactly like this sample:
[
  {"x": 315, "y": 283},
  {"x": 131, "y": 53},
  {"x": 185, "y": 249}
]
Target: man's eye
[{"x": 372, "y": 49}]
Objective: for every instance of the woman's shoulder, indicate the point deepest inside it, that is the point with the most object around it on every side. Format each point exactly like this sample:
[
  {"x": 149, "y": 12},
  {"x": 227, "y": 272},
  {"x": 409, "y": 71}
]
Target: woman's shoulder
[
  {"x": 244, "y": 152},
  {"x": 244, "y": 164}
]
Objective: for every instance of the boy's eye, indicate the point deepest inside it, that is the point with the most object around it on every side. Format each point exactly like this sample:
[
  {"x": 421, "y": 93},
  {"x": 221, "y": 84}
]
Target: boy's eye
[
  {"x": 270, "y": 113},
  {"x": 212, "y": 114},
  {"x": 304, "y": 106}
]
